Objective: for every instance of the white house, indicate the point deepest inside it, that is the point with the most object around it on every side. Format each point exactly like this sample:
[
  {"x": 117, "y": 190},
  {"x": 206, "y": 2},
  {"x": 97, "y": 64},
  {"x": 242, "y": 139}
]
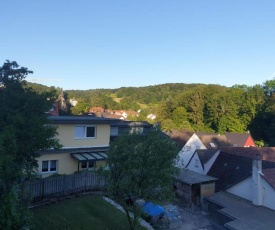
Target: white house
[
  {"x": 198, "y": 140},
  {"x": 202, "y": 160},
  {"x": 259, "y": 188}
]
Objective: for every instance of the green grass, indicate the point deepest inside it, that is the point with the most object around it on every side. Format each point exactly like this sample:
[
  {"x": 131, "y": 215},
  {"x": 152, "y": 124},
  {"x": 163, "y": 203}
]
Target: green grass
[{"x": 88, "y": 212}]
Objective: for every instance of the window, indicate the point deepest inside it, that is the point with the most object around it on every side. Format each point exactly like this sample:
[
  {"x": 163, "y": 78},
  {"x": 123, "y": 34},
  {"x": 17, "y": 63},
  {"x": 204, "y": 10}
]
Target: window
[
  {"x": 82, "y": 132},
  {"x": 114, "y": 131},
  {"x": 212, "y": 144},
  {"x": 87, "y": 164},
  {"x": 49, "y": 166},
  {"x": 196, "y": 163}
]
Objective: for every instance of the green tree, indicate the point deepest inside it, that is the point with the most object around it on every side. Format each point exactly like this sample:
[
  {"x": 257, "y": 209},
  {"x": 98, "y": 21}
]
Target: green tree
[
  {"x": 195, "y": 107},
  {"x": 141, "y": 165},
  {"x": 179, "y": 117},
  {"x": 23, "y": 131}
]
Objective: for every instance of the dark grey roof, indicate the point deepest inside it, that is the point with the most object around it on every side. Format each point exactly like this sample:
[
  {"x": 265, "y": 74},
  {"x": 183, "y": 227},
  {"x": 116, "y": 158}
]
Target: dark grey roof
[
  {"x": 80, "y": 120},
  {"x": 245, "y": 215},
  {"x": 190, "y": 177},
  {"x": 232, "y": 169},
  {"x": 179, "y": 137},
  {"x": 122, "y": 123},
  {"x": 267, "y": 153},
  {"x": 238, "y": 139},
  {"x": 269, "y": 176},
  {"x": 75, "y": 150},
  {"x": 214, "y": 141},
  {"x": 205, "y": 154}
]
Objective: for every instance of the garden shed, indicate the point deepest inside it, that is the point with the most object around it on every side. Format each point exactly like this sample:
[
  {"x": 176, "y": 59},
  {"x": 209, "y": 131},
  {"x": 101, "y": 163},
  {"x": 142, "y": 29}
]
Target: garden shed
[{"x": 193, "y": 187}]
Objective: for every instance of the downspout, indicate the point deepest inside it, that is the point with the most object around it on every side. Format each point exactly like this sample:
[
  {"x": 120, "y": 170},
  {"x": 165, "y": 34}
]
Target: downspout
[{"x": 257, "y": 189}]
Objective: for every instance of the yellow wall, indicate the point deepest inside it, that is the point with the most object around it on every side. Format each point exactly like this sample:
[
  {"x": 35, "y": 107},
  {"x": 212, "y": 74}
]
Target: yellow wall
[
  {"x": 66, "y": 135},
  {"x": 67, "y": 132},
  {"x": 66, "y": 164}
]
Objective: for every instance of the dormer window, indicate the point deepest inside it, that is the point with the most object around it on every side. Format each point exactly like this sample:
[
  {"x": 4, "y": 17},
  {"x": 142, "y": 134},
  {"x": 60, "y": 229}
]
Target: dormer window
[
  {"x": 212, "y": 145},
  {"x": 82, "y": 132}
]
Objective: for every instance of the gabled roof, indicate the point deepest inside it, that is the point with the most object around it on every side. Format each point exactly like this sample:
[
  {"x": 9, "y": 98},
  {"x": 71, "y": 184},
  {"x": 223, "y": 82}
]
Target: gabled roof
[
  {"x": 238, "y": 139},
  {"x": 232, "y": 168},
  {"x": 179, "y": 137},
  {"x": 205, "y": 154},
  {"x": 213, "y": 140}
]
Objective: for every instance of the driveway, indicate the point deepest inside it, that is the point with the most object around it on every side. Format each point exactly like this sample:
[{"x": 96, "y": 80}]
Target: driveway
[{"x": 189, "y": 219}]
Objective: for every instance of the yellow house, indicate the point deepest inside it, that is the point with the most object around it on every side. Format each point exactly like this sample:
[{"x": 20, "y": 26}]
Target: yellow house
[{"x": 85, "y": 140}]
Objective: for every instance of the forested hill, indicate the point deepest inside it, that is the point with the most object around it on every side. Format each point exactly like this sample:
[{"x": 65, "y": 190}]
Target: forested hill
[{"x": 196, "y": 107}]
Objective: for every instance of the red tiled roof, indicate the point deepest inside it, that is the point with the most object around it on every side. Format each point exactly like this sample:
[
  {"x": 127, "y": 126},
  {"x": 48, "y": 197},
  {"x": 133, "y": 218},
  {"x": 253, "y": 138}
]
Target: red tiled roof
[{"x": 97, "y": 109}]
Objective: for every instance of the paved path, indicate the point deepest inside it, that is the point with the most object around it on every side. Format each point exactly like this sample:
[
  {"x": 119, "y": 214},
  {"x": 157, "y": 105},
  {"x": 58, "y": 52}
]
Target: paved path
[{"x": 193, "y": 220}]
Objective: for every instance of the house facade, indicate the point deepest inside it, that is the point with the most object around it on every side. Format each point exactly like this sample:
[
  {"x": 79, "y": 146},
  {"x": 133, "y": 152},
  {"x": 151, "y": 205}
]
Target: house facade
[
  {"x": 202, "y": 160},
  {"x": 248, "y": 173},
  {"x": 85, "y": 141},
  {"x": 190, "y": 142}
]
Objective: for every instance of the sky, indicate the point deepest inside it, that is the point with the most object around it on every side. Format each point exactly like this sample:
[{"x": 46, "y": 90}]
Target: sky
[{"x": 92, "y": 44}]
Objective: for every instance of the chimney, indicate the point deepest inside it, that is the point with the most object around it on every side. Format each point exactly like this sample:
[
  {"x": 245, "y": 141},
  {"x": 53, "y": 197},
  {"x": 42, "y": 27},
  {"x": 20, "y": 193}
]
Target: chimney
[
  {"x": 257, "y": 189},
  {"x": 54, "y": 111}
]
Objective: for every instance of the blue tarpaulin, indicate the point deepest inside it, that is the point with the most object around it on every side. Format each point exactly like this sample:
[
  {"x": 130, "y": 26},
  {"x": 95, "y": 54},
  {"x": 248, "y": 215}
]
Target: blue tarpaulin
[{"x": 152, "y": 210}]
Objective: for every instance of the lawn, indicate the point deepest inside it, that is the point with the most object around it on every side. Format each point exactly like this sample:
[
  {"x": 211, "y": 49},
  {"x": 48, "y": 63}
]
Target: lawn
[{"x": 87, "y": 212}]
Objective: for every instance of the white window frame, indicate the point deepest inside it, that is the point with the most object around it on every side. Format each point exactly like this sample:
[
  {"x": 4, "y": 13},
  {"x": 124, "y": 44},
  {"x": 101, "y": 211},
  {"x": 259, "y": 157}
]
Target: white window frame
[
  {"x": 49, "y": 162},
  {"x": 82, "y": 134},
  {"x": 212, "y": 145},
  {"x": 196, "y": 163}
]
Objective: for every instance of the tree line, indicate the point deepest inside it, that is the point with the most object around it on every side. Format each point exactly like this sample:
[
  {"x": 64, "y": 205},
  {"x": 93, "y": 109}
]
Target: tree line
[{"x": 195, "y": 107}]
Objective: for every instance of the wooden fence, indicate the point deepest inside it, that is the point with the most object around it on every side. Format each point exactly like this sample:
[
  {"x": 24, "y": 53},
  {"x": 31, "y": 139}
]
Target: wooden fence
[{"x": 62, "y": 185}]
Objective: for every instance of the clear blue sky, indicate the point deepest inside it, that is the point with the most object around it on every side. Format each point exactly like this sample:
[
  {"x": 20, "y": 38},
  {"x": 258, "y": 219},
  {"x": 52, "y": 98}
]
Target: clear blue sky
[{"x": 89, "y": 44}]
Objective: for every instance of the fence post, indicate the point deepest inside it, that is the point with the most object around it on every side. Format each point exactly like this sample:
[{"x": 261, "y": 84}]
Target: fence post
[
  {"x": 42, "y": 188},
  {"x": 86, "y": 180}
]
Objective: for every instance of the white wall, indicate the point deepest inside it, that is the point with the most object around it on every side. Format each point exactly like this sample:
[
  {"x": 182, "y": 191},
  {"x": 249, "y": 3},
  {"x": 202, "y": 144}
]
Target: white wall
[
  {"x": 195, "y": 164},
  {"x": 268, "y": 195},
  {"x": 192, "y": 164},
  {"x": 243, "y": 189},
  {"x": 188, "y": 149}
]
